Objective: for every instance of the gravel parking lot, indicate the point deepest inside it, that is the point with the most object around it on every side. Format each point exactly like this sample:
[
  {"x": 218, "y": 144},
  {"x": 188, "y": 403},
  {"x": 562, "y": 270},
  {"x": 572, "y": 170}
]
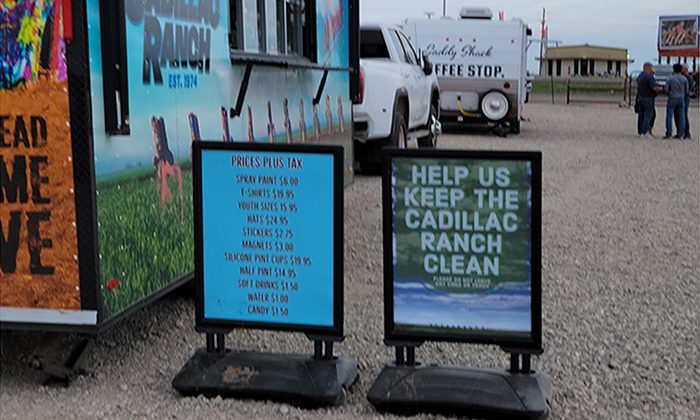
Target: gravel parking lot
[{"x": 621, "y": 289}]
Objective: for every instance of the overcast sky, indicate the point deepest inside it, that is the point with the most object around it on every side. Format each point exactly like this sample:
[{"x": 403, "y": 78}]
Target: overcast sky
[{"x": 613, "y": 23}]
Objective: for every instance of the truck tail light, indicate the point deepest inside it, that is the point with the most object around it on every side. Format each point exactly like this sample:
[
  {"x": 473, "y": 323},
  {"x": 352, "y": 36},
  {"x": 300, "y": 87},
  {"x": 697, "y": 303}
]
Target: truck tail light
[{"x": 362, "y": 85}]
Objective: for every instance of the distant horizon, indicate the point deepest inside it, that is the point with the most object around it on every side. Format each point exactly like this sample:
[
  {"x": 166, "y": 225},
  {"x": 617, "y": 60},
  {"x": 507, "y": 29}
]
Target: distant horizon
[{"x": 624, "y": 24}]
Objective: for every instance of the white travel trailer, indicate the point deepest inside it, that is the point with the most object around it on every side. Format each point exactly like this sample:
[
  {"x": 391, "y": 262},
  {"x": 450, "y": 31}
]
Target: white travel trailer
[{"x": 481, "y": 65}]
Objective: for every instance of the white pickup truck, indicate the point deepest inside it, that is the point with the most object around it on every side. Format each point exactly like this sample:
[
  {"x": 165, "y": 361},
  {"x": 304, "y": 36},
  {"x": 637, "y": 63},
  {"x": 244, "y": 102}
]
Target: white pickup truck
[{"x": 399, "y": 96}]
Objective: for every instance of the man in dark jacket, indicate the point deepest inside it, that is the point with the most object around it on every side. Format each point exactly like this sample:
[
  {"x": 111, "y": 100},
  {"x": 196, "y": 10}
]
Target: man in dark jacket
[{"x": 646, "y": 89}]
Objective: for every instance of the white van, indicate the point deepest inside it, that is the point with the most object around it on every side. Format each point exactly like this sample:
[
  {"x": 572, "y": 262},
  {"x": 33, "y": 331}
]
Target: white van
[{"x": 481, "y": 65}]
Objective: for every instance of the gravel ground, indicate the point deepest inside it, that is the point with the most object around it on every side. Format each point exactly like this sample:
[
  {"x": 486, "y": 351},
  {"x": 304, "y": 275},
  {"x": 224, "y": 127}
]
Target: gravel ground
[{"x": 620, "y": 283}]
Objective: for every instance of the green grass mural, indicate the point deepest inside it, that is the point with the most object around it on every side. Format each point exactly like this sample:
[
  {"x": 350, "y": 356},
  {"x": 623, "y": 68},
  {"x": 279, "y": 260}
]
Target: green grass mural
[{"x": 143, "y": 247}]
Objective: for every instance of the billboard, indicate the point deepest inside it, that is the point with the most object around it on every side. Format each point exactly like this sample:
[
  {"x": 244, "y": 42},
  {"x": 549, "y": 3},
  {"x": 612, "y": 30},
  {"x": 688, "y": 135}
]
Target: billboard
[
  {"x": 38, "y": 236},
  {"x": 258, "y": 262},
  {"x": 679, "y": 34},
  {"x": 462, "y": 232}
]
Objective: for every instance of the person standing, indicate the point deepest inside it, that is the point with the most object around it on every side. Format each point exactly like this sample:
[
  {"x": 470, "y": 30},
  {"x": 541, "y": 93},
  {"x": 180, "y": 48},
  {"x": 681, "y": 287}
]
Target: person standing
[
  {"x": 653, "y": 110},
  {"x": 677, "y": 90},
  {"x": 691, "y": 88},
  {"x": 646, "y": 89}
]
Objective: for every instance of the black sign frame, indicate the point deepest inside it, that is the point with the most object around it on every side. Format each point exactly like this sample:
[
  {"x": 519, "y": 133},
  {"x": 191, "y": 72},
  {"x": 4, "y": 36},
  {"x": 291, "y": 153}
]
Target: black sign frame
[
  {"x": 391, "y": 335},
  {"x": 218, "y": 325}
]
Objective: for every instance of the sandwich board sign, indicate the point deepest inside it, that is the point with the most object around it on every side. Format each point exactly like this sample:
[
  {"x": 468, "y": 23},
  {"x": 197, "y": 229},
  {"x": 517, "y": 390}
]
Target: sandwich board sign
[
  {"x": 462, "y": 263},
  {"x": 268, "y": 255}
]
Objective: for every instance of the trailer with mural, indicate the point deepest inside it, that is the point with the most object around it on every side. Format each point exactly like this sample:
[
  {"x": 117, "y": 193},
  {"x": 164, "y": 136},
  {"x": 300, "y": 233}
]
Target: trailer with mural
[{"x": 99, "y": 105}]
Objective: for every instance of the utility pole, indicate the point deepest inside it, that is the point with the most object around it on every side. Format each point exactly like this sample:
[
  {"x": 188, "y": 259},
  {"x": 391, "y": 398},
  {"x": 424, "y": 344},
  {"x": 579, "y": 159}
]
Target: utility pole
[
  {"x": 543, "y": 41},
  {"x": 444, "y": 8}
]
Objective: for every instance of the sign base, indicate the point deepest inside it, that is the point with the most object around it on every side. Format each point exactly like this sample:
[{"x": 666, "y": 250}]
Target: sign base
[
  {"x": 297, "y": 379},
  {"x": 481, "y": 393}
]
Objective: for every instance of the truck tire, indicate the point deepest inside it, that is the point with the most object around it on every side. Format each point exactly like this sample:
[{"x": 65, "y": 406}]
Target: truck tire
[
  {"x": 399, "y": 130},
  {"x": 429, "y": 141},
  {"x": 368, "y": 155}
]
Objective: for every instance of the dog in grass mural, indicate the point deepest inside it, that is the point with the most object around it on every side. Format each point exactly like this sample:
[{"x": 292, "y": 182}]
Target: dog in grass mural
[{"x": 166, "y": 166}]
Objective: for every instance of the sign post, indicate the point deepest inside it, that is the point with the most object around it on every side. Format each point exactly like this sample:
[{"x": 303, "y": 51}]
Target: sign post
[
  {"x": 462, "y": 263},
  {"x": 268, "y": 255}
]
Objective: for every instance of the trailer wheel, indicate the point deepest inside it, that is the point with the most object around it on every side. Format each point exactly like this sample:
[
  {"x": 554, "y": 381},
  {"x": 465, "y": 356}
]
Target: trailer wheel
[{"x": 494, "y": 105}]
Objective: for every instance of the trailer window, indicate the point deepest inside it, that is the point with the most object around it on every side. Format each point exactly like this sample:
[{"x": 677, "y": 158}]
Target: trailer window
[
  {"x": 291, "y": 22},
  {"x": 372, "y": 44},
  {"x": 281, "y": 27},
  {"x": 261, "y": 20},
  {"x": 235, "y": 37},
  {"x": 295, "y": 26}
]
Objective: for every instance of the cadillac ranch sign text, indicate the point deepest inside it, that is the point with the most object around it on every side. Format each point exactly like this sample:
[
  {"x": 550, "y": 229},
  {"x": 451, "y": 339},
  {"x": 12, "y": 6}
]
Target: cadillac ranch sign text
[{"x": 463, "y": 217}]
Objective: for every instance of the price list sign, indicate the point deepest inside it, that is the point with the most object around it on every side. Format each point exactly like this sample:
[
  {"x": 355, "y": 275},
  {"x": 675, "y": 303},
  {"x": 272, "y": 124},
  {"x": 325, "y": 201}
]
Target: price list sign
[{"x": 269, "y": 236}]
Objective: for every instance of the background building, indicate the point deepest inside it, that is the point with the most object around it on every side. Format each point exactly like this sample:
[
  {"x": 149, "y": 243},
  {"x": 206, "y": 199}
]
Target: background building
[{"x": 585, "y": 60}]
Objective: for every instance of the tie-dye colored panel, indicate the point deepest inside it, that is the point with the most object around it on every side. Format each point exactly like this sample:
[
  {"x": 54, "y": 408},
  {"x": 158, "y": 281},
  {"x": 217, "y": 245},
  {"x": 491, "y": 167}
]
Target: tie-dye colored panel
[
  {"x": 38, "y": 227},
  {"x": 32, "y": 46}
]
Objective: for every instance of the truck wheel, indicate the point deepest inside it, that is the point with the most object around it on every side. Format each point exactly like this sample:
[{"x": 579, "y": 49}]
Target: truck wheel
[
  {"x": 399, "y": 130},
  {"x": 430, "y": 140}
]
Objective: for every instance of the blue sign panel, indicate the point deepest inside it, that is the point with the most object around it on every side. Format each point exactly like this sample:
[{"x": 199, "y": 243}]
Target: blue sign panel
[{"x": 267, "y": 237}]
